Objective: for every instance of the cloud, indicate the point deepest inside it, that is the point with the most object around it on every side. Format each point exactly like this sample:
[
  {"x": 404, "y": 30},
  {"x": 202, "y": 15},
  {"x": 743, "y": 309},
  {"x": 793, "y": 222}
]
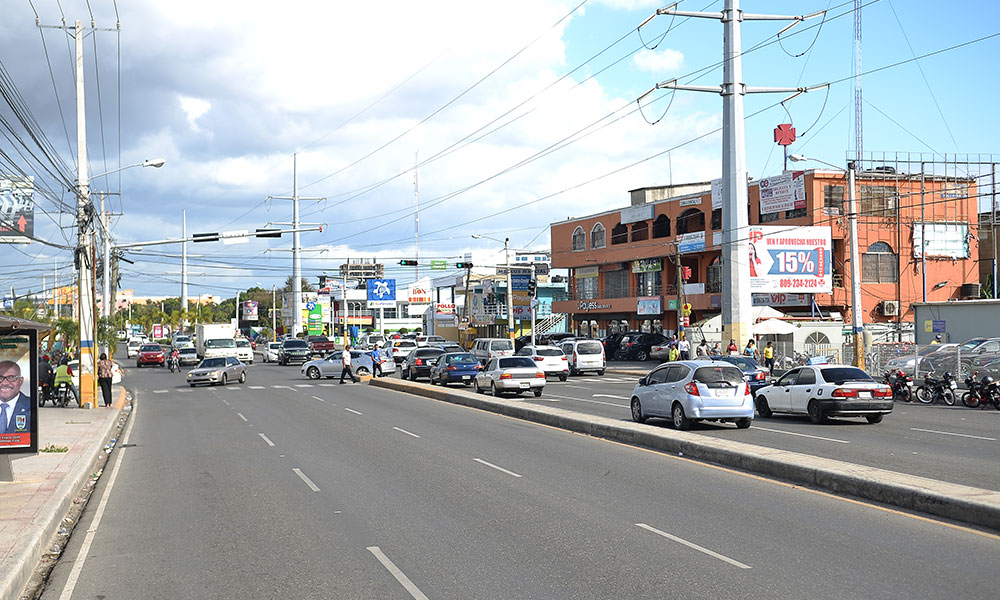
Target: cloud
[
  {"x": 194, "y": 109},
  {"x": 660, "y": 61}
]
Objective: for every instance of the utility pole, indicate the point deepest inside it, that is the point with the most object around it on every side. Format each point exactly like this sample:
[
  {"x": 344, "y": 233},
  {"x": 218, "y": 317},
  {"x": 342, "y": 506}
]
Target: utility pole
[
  {"x": 184, "y": 269},
  {"x": 510, "y": 290},
  {"x": 737, "y": 314},
  {"x": 55, "y": 287},
  {"x": 84, "y": 244},
  {"x": 533, "y": 301},
  {"x": 106, "y": 252},
  {"x": 857, "y": 312},
  {"x": 416, "y": 217},
  {"x": 679, "y": 282}
]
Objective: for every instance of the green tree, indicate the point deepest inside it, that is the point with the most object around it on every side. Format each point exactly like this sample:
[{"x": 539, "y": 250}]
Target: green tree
[{"x": 306, "y": 286}]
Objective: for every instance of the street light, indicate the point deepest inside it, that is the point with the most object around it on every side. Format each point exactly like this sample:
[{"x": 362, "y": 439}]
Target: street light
[
  {"x": 510, "y": 297},
  {"x": 857, "y": 313}
]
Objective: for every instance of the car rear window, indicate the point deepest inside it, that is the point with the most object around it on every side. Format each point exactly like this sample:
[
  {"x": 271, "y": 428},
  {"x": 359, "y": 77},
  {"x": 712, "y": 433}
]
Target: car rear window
[
  {"x": 461, "y": 359},
  {"x": 589, "y": 348},
  {"x": 221, "y": 343},
  {"x": 242, "y": 344},
  {"x": 517, "y": 362},
  {"x": 502, "y": 345},
  {"x": 212, "y": 363},
  {"x": 840, "y": 375},
  {"x": 295, "y": 344},
  {"x": 187, "y": 351},
  {"x": 406, "y": 344},
  {"x": 718, "y": 376},
  {"x": 549, "y": 352},
  {"x": 428, "y": 352},
  {"x": 151, "y": 348}
]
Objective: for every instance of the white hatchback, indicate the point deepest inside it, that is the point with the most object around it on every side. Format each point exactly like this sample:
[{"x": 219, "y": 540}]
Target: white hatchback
[
  {"x": 584, "y": 355},
  {"x": 549, "y": 359}
]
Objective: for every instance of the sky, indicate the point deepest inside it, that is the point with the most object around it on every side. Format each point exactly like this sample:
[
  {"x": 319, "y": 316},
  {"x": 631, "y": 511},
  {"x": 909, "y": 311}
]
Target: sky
[{"x": 515, "y": 116}]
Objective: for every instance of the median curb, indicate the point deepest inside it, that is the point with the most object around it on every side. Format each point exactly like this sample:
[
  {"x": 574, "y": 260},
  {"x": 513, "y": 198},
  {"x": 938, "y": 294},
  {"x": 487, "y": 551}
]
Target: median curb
[{"x": 953, "y": 501}]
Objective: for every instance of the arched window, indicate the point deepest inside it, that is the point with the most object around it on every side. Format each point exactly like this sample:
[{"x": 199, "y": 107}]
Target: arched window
[
  {"x": 619, "y": 234},
  {"x": 879, "y": 264},
  {"x": 598, "y": 237},
  {"x": 661, "y": 227},
  {"x": 579, "y": 239},
  {"x": 640, "y": 231},
  {"x": 691, "y": 220}
]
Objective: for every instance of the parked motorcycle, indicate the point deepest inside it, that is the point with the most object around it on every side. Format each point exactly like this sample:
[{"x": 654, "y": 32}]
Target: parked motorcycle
[
  {"x": 934, "y": 390},
  {"x": 901, "y": 384},
  {"x": 981, "y": 393}
]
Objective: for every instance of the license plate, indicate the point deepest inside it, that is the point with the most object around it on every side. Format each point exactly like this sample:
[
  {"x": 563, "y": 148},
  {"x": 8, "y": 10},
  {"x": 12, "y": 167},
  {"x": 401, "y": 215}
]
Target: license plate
[
  {"x": 525, "y": 385},
  {"x": 909, "y": 383},
  {"x": 465, "y": 377},
  {"x": 953, "y": 385},
  {"x": 864, "y": 394}
]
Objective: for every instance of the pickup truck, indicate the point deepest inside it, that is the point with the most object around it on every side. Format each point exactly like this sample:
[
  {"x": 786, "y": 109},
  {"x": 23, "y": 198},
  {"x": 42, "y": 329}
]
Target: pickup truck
[{"x": 320, "y": 345}]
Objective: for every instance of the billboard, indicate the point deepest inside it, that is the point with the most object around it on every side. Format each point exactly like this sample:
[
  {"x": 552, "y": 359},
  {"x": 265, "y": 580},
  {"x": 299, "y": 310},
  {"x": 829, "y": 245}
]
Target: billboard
[
  {"x": 419, "y": 292},
  {"x": 691, "y": 242},
  {"x": 648, "y": 305},
  {"x": 250, "y": 310},
  {"x": 17, "y": 208},
  {"x": 783, "y": 192},
  {"x": 381, "y": 293},
  {"x": 790, "y": 259},
  {"x": 18, "y": 391}
]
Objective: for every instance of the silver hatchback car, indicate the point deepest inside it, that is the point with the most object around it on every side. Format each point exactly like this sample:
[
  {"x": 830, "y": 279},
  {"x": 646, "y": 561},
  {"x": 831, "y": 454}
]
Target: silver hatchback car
[
  {"x": 513, "y": 374},
  {"x": 687, "y": 391}
]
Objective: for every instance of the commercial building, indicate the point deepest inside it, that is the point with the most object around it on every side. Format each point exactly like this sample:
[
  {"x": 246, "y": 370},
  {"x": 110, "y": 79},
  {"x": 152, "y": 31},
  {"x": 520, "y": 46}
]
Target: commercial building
[{"x": 623, "y": 263}]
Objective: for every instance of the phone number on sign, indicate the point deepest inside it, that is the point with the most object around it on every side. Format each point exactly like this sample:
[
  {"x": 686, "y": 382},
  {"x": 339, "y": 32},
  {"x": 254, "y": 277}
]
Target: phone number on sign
[{"x": 800, "y": 283}]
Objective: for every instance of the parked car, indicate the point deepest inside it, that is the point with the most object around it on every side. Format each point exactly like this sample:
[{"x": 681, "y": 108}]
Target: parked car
[
  {"x": 132, "y": 350},
  {"x": 320, "y": 345},
  {"x": 486, "y": 349},
  {"x": 965, "y": 357},
  {"x": 293, "y": 350},
  {"x": 332, "y": 364},
  {"x": 418, "y": 362},
  {"x": 150, "y": 354},
  {"x": 613, "y": 342},
  {"x": 753, "y": 373},
  {"x": 905, "y": 362},
  {"x": 187, "y": 356},
  {"x": 689, "y": 391},
  {"x": 370, "y": 341},
  {"x": 636, "y": 346},
  {"x": 430, "y": 340},
  {"x": 244, "y": 351},
  {"x": 555, "y": 339},
  {"x": 455, "y": 367},
  {"x": 270, "y": 352},
  {"x": 400, "y": 348},
  {"x": 551, "y": 359},
  {"x": 822, "y": 391},
  {"x": 514, "y": 374},
  {"x": 218, "y": 370},
  {"x": 584, "y": 355}
]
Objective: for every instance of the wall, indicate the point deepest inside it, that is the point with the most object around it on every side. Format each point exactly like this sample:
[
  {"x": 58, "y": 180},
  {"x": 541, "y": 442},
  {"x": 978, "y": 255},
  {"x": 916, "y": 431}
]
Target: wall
[{"x": 962, "y": 320}]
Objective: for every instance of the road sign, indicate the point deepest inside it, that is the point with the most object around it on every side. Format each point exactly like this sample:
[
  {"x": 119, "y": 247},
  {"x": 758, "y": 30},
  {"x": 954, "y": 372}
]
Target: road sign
[
  {"x": 439, "y": 265},
  {"x": 502, "y": 270},
  {"x": 520, "y": 283},
  {"x": 541, "y": 268}
]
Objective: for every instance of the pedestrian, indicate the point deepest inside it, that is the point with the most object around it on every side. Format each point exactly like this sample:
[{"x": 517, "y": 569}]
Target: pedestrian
[
  {"x": 345, "y": 358},
  {"x": 702, "y": 350},
  {"x": 104, "y": 375},
  {"x": 684, "y": 348},
  {"x": 674, "y": 354},
  {"x": 769, "y": 357},
  {"x": 751, "y": 350},
  {"x": 732, "y": 349},
  {"x": 716, "y": 349},
  {"x": 45, "y": 375},
  {"x": 376, "y": 355}
]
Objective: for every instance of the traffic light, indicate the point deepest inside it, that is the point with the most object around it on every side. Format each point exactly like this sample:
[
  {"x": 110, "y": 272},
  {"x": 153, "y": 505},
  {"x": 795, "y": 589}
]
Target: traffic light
[
  {"x": 531, "y": 287},
  {"x": 463, "y": 265},
  {"x": 408, "y": 263},
  {"x": 322, "y": 281}
]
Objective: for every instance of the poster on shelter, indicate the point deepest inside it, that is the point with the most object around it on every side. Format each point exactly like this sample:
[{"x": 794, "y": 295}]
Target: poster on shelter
[
  {"x": 790, "y": 259},
  {"x": 18, "y": 385}
]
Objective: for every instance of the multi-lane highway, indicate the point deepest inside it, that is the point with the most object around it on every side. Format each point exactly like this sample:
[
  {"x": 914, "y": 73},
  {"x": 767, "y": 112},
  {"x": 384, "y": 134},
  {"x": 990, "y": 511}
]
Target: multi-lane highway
[{"x": 285, "y": 487}]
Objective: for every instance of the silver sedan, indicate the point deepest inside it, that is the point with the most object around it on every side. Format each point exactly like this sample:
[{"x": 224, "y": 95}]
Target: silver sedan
[
  {"x": 331, "y": 365},
  {"x": 514, "y": 374},
  {"x": 221, "y": 369}
]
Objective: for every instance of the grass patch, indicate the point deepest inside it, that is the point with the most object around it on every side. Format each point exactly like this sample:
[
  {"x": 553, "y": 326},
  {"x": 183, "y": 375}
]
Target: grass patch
[{"x": 54, "y": 448}]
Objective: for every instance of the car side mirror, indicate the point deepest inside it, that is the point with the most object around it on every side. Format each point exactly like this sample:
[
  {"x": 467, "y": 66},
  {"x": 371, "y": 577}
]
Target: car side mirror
[{"x": 643, "y": 381}]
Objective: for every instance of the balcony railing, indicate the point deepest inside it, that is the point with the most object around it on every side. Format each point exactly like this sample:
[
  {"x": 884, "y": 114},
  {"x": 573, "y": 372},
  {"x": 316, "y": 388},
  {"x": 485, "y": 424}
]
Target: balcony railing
[{"x": 632, "y": 291}]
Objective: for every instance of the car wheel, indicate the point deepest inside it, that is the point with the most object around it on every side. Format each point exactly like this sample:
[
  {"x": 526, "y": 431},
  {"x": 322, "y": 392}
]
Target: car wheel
[
  {"x": 225, "y": 379},
  {"x": 816, "y": 413},
  {"x": 467, "y": 383},
  {"x": 642, "y": 356},
  {"x": 538, "y": 393},
  {"x": 479, "y": 390},
  {"x": 743, "y": 423},
  {"x": 431, "y": 380},
  {"x": 363, "y": 371},
  {"x": 763, "y": 409},
  {"x": 494, "y": 390},
  {"x": 313, "y": 373},
  {"x": 403, "y": 374},
  {"x": 873, "y": 418},
  {"x": 563, "y": 377},
  {"x": 573, "y": 371},
  {"x": 681, "y": 421},
  {"x": 413, "y": 375},
  {"x": 243, "y": 377},
  {"x": 601, "y": 372},
  {"x": 637, "y": 414}
]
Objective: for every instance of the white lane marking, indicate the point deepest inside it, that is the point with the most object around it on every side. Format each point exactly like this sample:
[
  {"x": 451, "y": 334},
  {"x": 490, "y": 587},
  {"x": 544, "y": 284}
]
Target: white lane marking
[
  {"x": 694, "y": 546},
  {"x": 493, "y": 466},
  {"x": 318, "y": 398},
  {"x": 184, "y": 391},
  {"x": 399, "y": 575},
  {"x": 610, "y": 396},
  {"x": 88, "y": 540},
  {"x": 240, "y": 415},
  {"x": 308, "y": 481},
  {"x": 805, "y": 435},
  {"x": 282, "y": 387},
  {"x": 406, "y": 432},
  {"x": 161, "y": 391},
  {"x": 226, "y": 402},
  {"x": 586, "y": 400},
  {"x": 256, "y": 387},
  {"x": 326, "y": 385},
  {"x": 264, "y": 437},
  {"x": 576, "y": 387},
  {"x": 352, "y": 410},
  {"x": 965, "y": 435},
  {"x": 303, "y": 385}
]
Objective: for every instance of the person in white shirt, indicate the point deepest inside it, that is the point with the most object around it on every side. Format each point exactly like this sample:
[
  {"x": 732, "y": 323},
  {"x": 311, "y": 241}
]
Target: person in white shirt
[
  {"x": 345, "y": 357},
  {"x": 684, "y": 347},
  {"x": 702, "y": 349}
]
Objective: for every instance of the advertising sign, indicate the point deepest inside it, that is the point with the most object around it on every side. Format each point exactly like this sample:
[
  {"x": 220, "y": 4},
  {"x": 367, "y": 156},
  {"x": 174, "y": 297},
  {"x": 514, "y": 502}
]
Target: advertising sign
[
  {"x": 419, "y": 292},
  {"x": 157, "y": 332},
  {"x": 250, "y": 310},
  {"x": 949, "y": 240},
  {"x": 18, "y": 392},
  {"x": 649, "y": 305},
  {"x": 7, "y": 303},
  {"x": 520, "y": 283},
  {"x": 314, "y": 322},
  {"x": 783, "y": 192},
  {"x": 444, "y": 311},
  {"x": 17, "y": 209},
  {"x": 716, "y": 193},
  {"x": 691, "y": 242},
  {"x": 381, "y": 293},
  {"x": 790, "y": 259},
  {"x": 647, "y": 265},
  {"x": 634, "y": 214},
  {"x": 781, "y": 300}
]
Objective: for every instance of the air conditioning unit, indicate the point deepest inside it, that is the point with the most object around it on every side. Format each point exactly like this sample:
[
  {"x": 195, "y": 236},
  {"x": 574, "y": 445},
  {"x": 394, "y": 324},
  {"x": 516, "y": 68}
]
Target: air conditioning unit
[{"x": 890, "y": 308}]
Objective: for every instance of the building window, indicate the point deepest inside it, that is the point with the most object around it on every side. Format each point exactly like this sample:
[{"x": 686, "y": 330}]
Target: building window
[
  {"x": 879, "y": 264},
  {"x": 586, "y": 288},
  {"x": 619, "y": 234},
  {"x": 640, "y": 231},
  {"x": 649, "y": 284},
  {"x": 579, "y": 239},
  {"x": 389, "y": 313},
  {"x": 876, "y": 200},
  {"x": 795, "y": 213},
  {"x": 714, "y": 284},
  {"x": 661, "y": 227},
  {"x": 833, "y": 199},
  {"x": 691, "y": 220},
  {"x": 616, "y": 284},
  {"x": 769, "y": 217},
  {"x": 717, "y": 219},
  {"x": 598, "y": 236}
]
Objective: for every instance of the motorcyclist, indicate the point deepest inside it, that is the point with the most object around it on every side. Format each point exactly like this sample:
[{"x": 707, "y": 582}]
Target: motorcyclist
[
  {"x": 937, "y": 339},
  {"x": 175, "y": 359},
  {"x": 64, "y": 374},
  {"x": 45, "y": 375}
]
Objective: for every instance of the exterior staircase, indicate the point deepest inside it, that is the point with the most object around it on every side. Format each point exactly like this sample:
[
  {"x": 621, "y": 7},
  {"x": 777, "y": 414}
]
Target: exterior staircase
[{"x": 549, "y": 323}]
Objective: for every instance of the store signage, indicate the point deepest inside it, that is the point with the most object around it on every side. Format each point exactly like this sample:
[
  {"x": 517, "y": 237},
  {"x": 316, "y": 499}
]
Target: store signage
[
  {"x": 781, "y": 300},
  {"x": 419, "y": 292},
  {"x": 647, "y": 265},
  {"x": 649, "y": 305},
  {"x": 586, "y": 305},
  {"x": 585, "y": 272},
  {"x": 692, "y": 289},
  {"x": 783, "y": 192},
  {"x": 691, "y": 201},
  {"x": 634, "y": 214},
  {"x": 520, "y": 283},
  {"x": 444, "y": 309},
  {"x": 790, "y": 259},
  {"x": 691, "y": 242}
]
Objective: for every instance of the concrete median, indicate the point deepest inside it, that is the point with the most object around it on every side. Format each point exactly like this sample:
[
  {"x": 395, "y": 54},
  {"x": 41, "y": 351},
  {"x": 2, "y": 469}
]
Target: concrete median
[{"x": 959, "y": 502}]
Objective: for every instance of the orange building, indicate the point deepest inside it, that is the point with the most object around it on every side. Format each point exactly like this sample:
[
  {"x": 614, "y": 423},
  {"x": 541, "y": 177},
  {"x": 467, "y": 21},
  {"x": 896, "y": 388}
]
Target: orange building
[{"x": 619, "y": 256}]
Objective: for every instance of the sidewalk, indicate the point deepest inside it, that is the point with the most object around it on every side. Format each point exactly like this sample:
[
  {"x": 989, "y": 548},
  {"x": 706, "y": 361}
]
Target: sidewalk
[{"x": 45, "y": 485}]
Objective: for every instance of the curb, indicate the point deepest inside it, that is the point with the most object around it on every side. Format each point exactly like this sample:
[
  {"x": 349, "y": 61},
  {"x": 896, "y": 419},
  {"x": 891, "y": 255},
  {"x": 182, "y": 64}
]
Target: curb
[
  {"x": 968, "y": 504},
  {"x": 28, "y": 551}
]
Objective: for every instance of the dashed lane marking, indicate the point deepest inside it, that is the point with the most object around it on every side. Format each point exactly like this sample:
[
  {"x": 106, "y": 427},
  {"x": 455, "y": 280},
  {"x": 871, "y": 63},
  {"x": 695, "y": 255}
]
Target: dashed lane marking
[
  {"x": 264, "y": 437},
  {"x": 307, "y": 481},
  {"x": 406, "y": 432},
  {"x": 694, "y": 546},
  {"x": 352, "y": 410},
  {"x": 256, "y": 387},
  {"x": 493, "y": 466}
]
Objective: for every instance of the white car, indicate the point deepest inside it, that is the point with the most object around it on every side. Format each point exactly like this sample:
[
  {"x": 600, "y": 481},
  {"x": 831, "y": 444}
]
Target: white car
[
  {"x": 822, "y": 391},
  {"x": 550, "y": 359},
  {"x": 584, "y": 355},
  {"x": 133, "y": 348},
  {"x": 513, "y": 374},
  {"x": 270, "y": 351},
  {"x": 244, "y": 351}
]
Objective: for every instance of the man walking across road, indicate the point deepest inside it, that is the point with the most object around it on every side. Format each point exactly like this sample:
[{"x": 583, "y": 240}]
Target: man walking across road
[
  {"x": 345, "y": 358},
  {"x": 376, "y": 362}
]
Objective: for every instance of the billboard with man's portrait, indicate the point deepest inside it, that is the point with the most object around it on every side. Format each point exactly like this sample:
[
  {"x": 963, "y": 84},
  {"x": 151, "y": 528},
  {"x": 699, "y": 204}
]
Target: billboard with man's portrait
[{"x": 18, "y": 391}]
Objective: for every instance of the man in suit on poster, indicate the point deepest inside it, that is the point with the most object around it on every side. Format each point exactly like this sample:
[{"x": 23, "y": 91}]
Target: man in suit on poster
[{"x": 15, "y": 407}]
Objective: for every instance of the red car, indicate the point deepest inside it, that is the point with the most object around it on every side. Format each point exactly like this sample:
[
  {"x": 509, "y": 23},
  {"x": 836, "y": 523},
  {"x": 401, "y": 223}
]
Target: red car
[{"x": 150, "y": 354}]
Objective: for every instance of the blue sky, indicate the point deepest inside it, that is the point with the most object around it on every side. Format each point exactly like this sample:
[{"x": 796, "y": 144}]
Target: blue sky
[{"x": 228, "y": 91}]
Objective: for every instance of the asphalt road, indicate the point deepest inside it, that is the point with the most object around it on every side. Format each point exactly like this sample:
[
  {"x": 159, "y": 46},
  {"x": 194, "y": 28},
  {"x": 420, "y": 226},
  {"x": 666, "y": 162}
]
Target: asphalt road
[{"x": 283, "y": 487}]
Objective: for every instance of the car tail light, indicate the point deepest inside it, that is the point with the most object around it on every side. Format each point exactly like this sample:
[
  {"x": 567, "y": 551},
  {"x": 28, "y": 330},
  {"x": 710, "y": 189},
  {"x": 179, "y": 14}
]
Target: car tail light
[
  {"x": 576, "y": 357},
  {"x": 691, "y": 388},
  {"x": 760, "y": 376},
  {"x": 506, "y": 376},
  {"x": 564, "y": 357},
  {"x": 844, "y": 393},
  {"x": 746, "y": 389},
  {"x": 539, "y": 375},
  {"x": 538, "y": 359},
  {"x": 479, "y": 367},
  {"x": 418, "y": 362},
  {"x": 451, "y": 368},
  {"x": 882, "y": 393}
]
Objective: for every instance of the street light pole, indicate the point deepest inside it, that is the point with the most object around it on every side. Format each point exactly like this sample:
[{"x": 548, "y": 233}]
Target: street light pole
[{"x": 510, "y": 291}]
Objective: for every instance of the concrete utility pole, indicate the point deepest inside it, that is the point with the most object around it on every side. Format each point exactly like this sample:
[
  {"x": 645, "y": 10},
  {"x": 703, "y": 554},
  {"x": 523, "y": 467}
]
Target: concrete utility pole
[
  {"x": 510, "y": 291},
  {"x": 84, "y": 244},
  {"x": 737, "y": 315},
  {"x": 184, "y": 269},
  {"x": 857, "y": 311},
  {"x": 533, "y": 301}
]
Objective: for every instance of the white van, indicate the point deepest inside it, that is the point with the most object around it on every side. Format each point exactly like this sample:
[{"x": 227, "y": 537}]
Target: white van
[
  {"x": 486, "y": 349},
  {"x": 584, "y": 355}
]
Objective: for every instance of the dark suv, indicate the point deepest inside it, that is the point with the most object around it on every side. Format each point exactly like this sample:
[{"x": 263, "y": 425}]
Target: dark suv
[
  {"x": 613, "y": 341},
  {"x": 418, "y": 363},
  {"x": 293, "y": 351},
  {"x": 636, "y": 346}
]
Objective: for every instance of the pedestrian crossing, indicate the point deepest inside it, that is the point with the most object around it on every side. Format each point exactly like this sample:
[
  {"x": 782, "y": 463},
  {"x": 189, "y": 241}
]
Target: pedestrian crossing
[{"x": 604, "y": 379}]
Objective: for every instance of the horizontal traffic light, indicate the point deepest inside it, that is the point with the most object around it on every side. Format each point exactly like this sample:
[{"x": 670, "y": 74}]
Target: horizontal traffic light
[
  {"x": 268, "y": 233},
  {"x": 463, "y": 265},
  {"x": 408, "y": 263}
]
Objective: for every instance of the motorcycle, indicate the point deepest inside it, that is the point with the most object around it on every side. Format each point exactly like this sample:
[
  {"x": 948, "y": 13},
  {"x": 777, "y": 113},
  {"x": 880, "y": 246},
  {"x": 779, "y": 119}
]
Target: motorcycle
[
  {"x": 901, "y": 384},
  {"x": 174, "y": 363},
  {"x": 981, "y": 393},
  {"x": 62, "y": 395},
  {"x": 938, "y": 389}
]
